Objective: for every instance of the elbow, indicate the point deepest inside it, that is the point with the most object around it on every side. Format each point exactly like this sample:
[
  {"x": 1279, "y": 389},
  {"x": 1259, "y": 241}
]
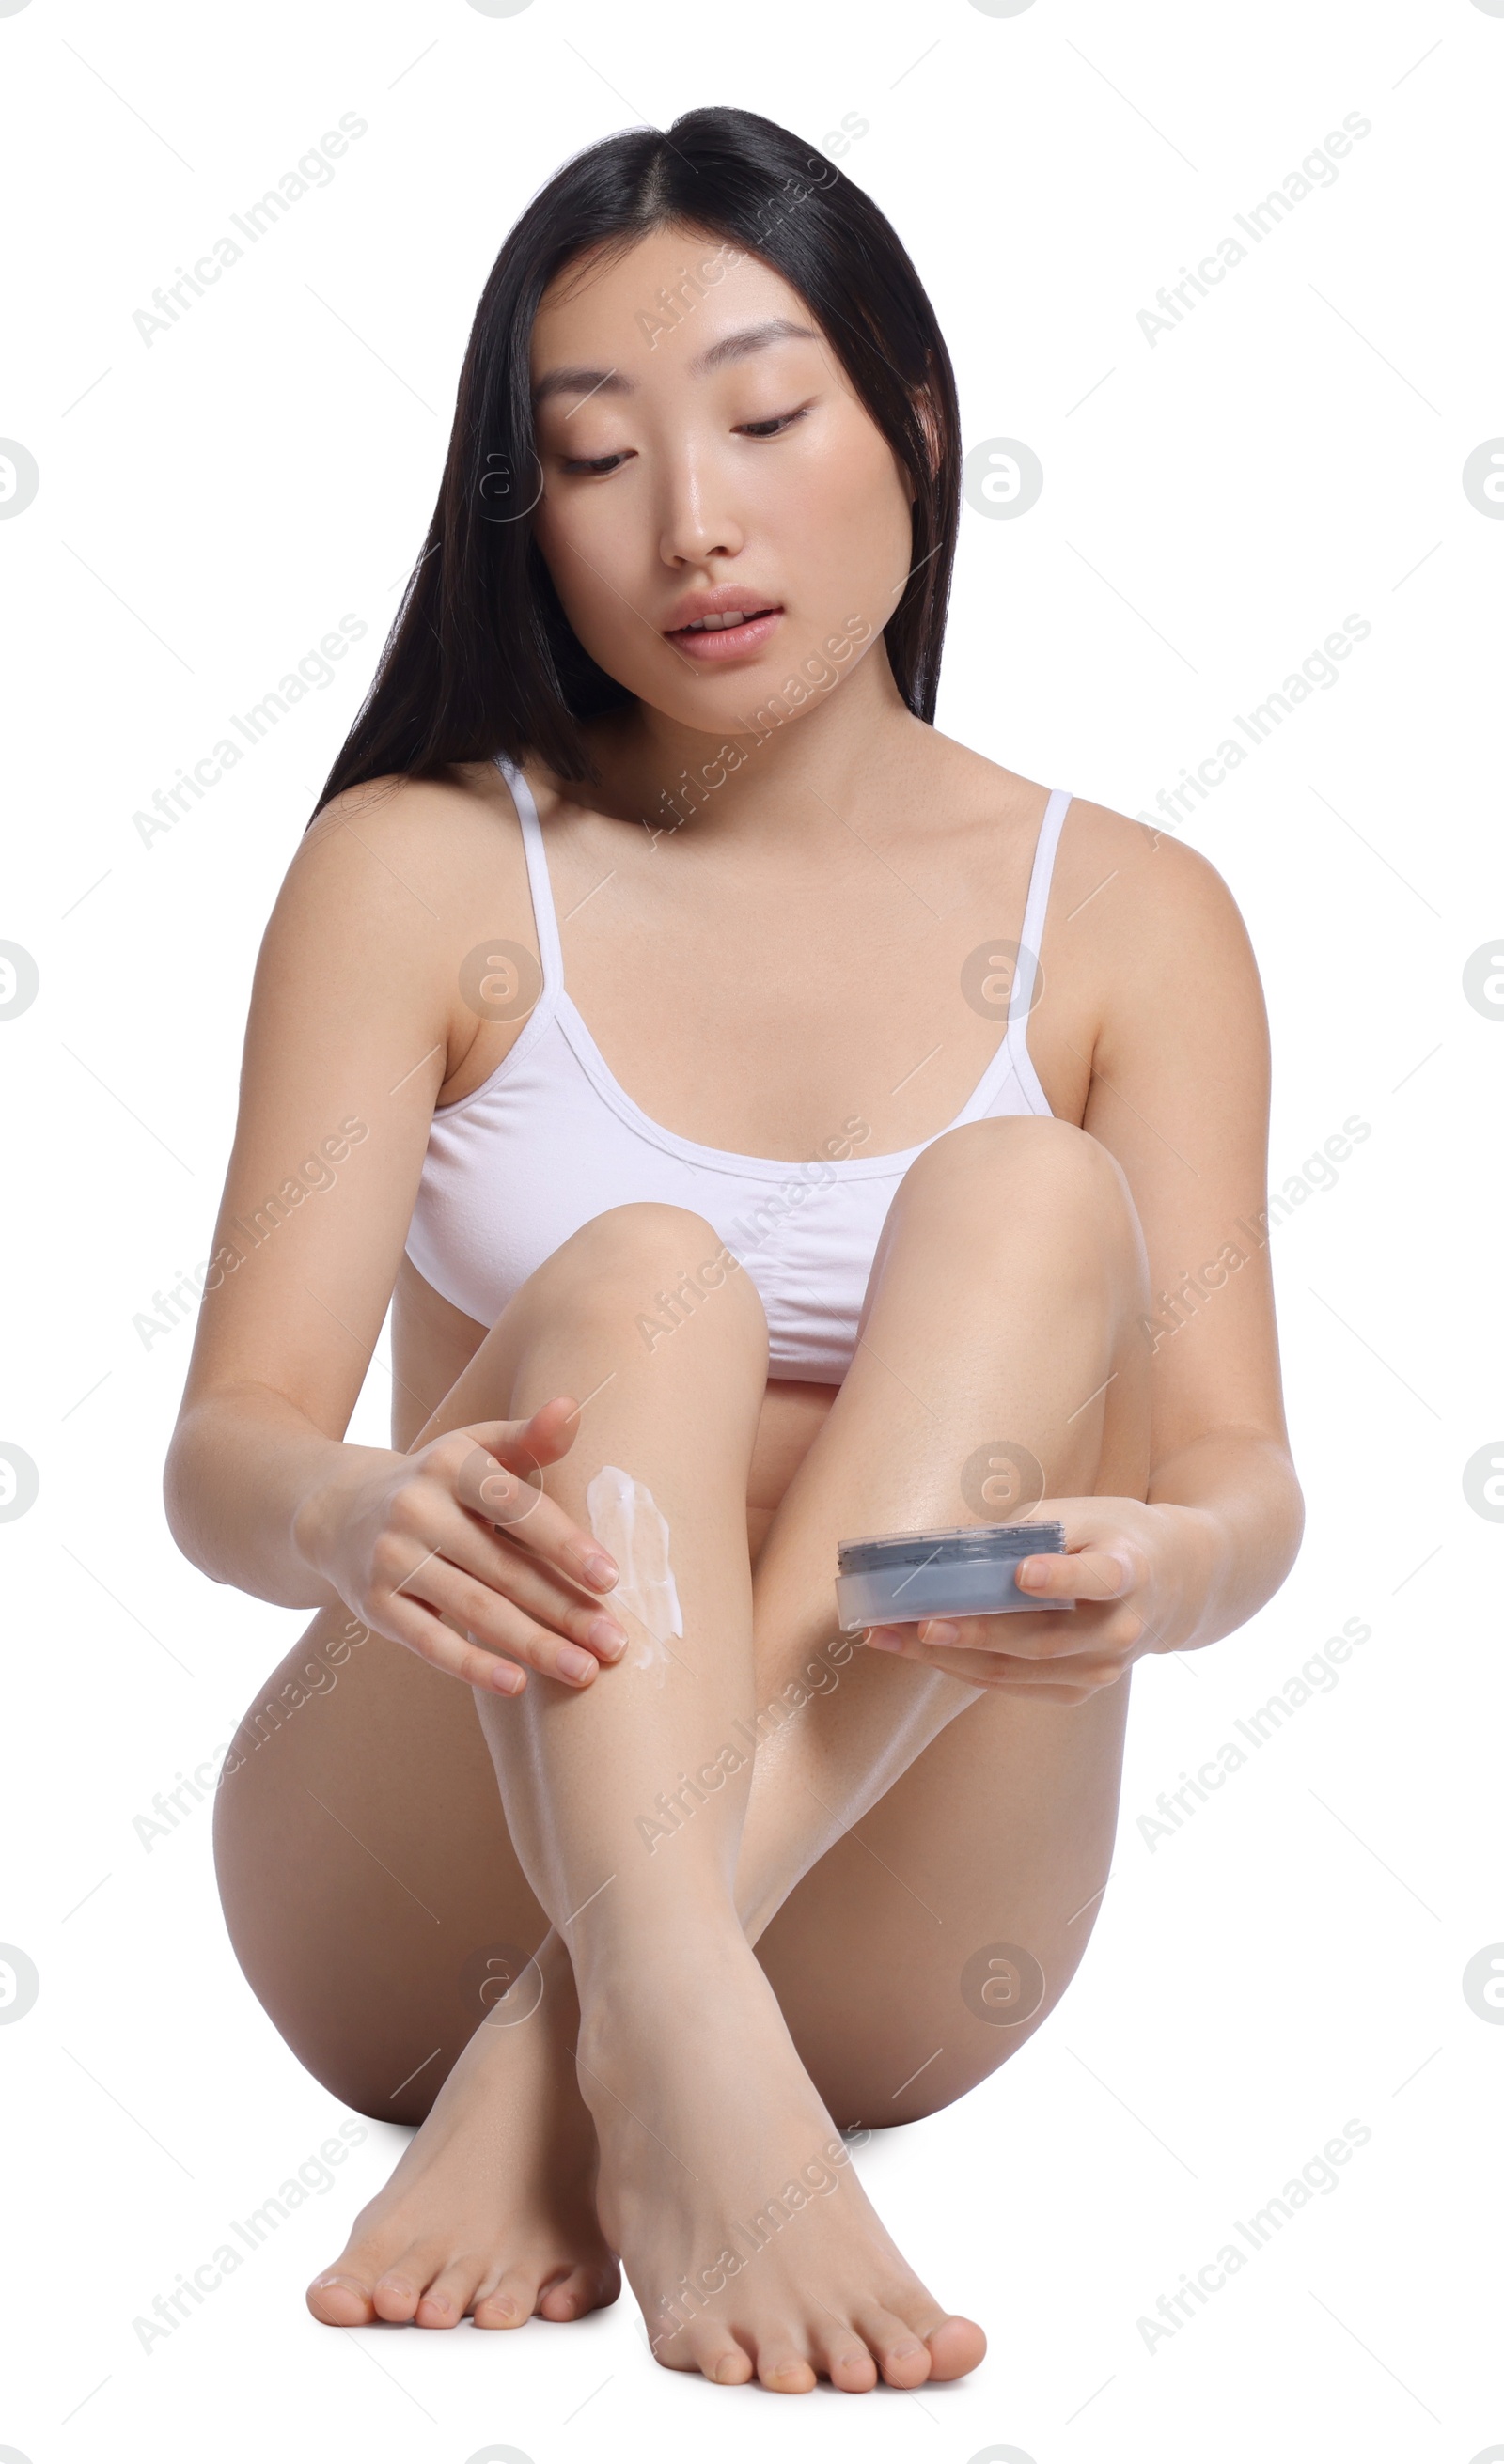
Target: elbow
[
  {"x": 181, "y": 1499},
  {"x": 1286, "y": 1525},
  {"x": 1296, "y": 1518}
]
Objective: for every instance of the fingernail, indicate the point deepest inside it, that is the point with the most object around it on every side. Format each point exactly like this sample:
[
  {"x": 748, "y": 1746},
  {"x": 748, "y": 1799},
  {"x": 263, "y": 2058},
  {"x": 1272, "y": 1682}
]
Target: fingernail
[
  {"x": 600, "y": 1569},
  {"x": 882, "y": 1638},
  {"x": 939, "y": 1632},
  {"x": 607, "y": 1637},
  {"x": 573, "y": 1663},
  {"x": 508, "y": 1680}
]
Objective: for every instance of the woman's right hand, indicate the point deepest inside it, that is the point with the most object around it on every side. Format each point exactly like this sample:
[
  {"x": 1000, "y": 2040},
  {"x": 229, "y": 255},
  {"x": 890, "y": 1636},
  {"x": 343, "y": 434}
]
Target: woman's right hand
[{"x": 456, "y": 1536}]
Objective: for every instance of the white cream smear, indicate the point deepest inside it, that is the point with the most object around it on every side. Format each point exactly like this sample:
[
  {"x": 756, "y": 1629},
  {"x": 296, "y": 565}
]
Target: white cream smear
[{"x": 624, "y": 1520}]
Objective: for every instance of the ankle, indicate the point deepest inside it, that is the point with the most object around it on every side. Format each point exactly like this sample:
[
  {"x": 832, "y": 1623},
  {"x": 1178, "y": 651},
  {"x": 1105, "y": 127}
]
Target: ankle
[{"x": 626, "y": 1981}]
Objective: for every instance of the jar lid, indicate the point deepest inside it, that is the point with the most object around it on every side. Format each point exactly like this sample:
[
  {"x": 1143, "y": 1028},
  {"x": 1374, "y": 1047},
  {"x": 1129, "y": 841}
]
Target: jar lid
[{"x": 967, "y": 1544}]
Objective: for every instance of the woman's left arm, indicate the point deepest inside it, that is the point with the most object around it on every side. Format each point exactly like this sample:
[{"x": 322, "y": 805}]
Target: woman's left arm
[{"x": 1178, "y": 1044}]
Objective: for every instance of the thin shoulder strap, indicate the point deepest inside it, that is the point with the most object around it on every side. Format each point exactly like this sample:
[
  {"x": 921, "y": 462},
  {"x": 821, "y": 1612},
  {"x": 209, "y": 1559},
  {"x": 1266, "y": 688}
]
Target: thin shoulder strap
[
  {"x": 544, "y": 919},
  {"x": 1025, "y": 973}
]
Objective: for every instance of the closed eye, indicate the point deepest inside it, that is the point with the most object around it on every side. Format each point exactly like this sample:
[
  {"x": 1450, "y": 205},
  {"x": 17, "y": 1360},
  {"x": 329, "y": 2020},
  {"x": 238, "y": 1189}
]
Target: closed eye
[
  {"x": 773, "y": 427},
  {"x": 758, "y": 429}
]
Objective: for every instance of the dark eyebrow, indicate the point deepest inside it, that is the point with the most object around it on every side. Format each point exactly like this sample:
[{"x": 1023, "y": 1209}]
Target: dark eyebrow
[
  {"x": 752, "y": 337},
  {"x": 731, "y": 347}
]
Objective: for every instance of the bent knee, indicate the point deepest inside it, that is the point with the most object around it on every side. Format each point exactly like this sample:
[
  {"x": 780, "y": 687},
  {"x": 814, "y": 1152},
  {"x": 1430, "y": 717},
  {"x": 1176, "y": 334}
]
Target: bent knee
[
  {"x": 647, "y": 1254},
  {"x": 355, "y": 2080},
  {"x": 1039, "y": 1144},
  {"x": 861, "y": 2096},
  {"x": 1043, "y": 1164}
]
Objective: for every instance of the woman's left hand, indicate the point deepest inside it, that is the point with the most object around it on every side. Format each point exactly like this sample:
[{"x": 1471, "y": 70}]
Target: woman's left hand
[{"x": 1137, "y": 1575}]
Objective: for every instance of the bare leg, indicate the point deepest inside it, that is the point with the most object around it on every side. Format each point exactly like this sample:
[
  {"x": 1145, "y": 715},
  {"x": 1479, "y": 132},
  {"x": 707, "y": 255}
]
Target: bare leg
[
  {"x": 703, "y": 2111},
  {"x": 377, "y": 1906},
  {"x": 1006, "y": 1284},
  {"x": 1070, "y": 1757}
]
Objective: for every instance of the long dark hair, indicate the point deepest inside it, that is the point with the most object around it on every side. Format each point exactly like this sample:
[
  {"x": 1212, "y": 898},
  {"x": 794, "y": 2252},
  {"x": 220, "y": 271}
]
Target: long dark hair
[{"x": 482, "y": 658}]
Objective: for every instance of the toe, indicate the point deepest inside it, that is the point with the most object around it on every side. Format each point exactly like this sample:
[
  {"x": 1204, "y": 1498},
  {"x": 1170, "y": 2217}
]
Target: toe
[
  {"x": 712, "y": 2351},
  {"x": 340, "y": 2300},
  {"x": 901, "y": 2356},
  {"x": 841, "y": 2354},
  {"x": 509, "y": 2303},
  {"x": 400, "y": 2287},
  {"x": 783, "y": 2368},
  {"x": 446, "y": 2300},
  {"x": 956, "y": 2346},
  {"x": 584, "y": 2288}
]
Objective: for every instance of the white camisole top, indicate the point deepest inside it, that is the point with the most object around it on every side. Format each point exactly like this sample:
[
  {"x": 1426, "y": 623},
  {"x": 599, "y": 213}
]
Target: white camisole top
[{"x": 551, "y": 1140}]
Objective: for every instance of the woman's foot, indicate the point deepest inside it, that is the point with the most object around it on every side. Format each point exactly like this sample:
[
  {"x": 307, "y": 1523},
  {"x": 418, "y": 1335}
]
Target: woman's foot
[
  {"x": 746, "y": 2236},
  {"x": 491, "y": 2211}
]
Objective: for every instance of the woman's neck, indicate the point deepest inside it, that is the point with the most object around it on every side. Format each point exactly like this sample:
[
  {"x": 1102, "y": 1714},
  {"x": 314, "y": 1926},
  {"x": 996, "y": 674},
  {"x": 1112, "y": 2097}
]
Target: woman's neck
[{"x": 769, "y": 776}]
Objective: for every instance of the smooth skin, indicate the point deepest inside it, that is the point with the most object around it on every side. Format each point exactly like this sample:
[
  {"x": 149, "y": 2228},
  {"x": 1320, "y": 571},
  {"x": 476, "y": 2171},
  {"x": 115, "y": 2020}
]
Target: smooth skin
[{"x": 698, "y": 2006}]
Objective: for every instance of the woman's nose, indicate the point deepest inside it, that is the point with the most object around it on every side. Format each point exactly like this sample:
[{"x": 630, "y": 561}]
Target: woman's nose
[{"x": 696, "y": 518}]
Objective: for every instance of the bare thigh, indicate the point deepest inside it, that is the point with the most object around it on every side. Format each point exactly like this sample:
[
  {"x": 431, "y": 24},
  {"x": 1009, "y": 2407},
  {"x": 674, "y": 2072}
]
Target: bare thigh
[
  {"x": 371, "y": 1887},
  {"x": 374, "y": 1899},
  {"x": 368, "y": 1880},
  {"x": 376, "y": 1903},
  {"x": 938, "y": 1933},
  {"x": 896, "y": 1960},
  {"x": 365, "y": 1870}
]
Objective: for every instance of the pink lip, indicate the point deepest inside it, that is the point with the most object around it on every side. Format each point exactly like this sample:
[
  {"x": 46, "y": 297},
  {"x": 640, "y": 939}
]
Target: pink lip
[{"x": 728, "y": 642}]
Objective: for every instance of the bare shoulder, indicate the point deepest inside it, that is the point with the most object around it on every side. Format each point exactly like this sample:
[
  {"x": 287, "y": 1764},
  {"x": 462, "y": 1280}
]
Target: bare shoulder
[
  {"x": 390, "y": 894},
  {"x": 1151, "y": 927},
  {"x": 1168, "y": 887},
  {"x": 1125, "y": 896},
  {"x": 1145, "y": 963},
  {"x": 427, "y": 837}
]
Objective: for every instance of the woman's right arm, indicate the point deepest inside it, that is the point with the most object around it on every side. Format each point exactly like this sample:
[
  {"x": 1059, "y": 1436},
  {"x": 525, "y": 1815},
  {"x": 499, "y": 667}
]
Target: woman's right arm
[{"x": 355, "y": 1024}]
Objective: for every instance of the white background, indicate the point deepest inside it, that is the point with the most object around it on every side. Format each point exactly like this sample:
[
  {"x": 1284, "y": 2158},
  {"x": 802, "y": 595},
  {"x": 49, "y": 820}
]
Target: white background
[{"x": 1214, "y": 505}]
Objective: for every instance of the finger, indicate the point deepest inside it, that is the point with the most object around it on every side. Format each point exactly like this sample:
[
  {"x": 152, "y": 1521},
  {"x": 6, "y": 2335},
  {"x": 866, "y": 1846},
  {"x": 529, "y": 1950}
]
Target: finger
[
  {"x": 553, "y": 1428},
  {"x": 1068, "y": 1677},
  {"x": 441, "y": 1527},
  {"x": 1075, "y": 1575},
  {"x": 524, "y": 1445},
  {"x": 496, "y": 1623},
  {"x": 499, "y": 1492},
  {"x": 419, "y": 1631},
  {"x": 1011, "y": 1634}
]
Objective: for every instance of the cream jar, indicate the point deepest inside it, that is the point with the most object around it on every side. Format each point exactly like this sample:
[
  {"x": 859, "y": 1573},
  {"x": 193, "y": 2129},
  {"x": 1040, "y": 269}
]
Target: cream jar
[{"x": 904, "y": 1576}]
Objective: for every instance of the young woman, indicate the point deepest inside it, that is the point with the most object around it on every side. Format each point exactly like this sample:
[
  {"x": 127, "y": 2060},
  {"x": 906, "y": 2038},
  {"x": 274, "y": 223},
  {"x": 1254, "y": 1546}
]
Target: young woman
[{"x": 773, "y": 1124}]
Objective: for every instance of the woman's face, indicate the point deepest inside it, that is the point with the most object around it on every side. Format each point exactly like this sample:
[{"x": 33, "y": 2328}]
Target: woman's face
[{"x": 703, "y": 452}]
